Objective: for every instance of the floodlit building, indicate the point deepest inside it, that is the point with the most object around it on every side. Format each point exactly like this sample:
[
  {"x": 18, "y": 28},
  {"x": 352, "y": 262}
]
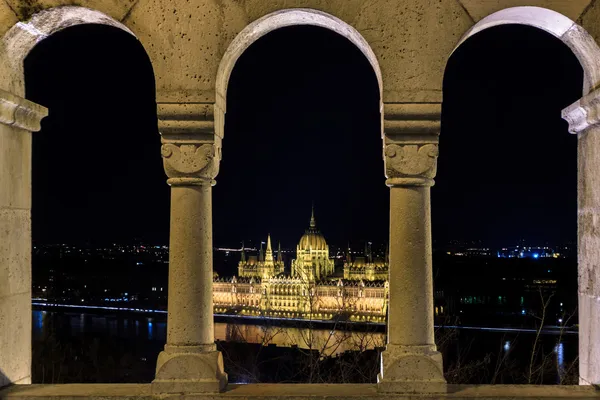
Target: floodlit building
[
  {"x": 366, "y": 267},
  {"x": 310, "y": 292}
]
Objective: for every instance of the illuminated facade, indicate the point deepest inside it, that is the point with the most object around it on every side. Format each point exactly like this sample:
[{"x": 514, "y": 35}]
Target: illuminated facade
[
  {"x": 366, "y": 268},
  {"x": 263, "y": 267},
  {"x": 310, "y": 292}
]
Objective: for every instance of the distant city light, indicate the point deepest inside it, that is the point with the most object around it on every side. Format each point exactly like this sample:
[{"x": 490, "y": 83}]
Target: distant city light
[
  {"x": 506, "y": 346},
  {"x": 536, "y": 255}
]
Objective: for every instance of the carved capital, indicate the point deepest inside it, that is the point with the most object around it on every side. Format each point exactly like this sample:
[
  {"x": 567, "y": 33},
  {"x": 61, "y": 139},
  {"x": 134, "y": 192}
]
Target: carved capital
[
  {"x": 191, "y": 150},
  {"x": 190, "y": 163},
  {"x": 584, "y": 113},
  {"x": 411, "y": 143},
  {"x": 411, "y": 164}
]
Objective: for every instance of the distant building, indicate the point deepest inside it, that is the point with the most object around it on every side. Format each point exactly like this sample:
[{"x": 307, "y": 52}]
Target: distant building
[
  {"x": 263, "y": 267},
  {"x": 310, "y": 292},
  {"x": 366, "y": 267}
]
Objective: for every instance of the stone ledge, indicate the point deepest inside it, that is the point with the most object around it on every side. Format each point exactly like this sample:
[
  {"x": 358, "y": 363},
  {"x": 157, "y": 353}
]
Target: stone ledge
[
  {"x": 21, "y": 113},
  {"x": 296, "y": 391}
]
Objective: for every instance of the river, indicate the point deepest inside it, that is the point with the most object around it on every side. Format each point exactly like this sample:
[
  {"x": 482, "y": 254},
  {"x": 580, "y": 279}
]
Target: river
[{"x": 88, "y": 347}]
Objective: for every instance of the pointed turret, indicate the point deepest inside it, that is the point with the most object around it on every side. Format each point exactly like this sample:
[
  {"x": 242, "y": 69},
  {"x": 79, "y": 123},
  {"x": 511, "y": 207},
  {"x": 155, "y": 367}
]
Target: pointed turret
[
  {"x": 368, "y": 252},
  {"x": 313, "y": 223},
  {"x": 348, "y": 257},
  {"x": 243, "y": 256},
  {"x": 261, "y": 255},
  {"x": 387, "y": 254},
  {"x": 279, "y": 256},
  {"x": 269, "y": 256}
]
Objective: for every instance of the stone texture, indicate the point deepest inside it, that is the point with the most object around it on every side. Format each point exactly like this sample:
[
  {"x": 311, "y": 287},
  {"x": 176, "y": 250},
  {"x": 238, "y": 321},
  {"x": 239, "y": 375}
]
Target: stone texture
[
  {"x": 191, "y": 155},
  {"x": 15, "y": 252},
  {"x": 17, "y": 117},
  {"x": 584, "y": 120},
  {"x": 479, "y": 9},
  {"x": 15, "y": 334},
  {"x": 193, "y": 46},
  {"x": 575, "y": 37},
  {"x": 7, "y": 17},
  {"x": 297, "y": 392}
]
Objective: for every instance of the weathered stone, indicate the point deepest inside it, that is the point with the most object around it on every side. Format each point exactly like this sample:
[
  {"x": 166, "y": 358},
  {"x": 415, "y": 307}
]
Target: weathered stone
[
  {"x": 193, "y": 46},
  {"x": 17, "y": 118},
  {"x": 584, "y": 120}
]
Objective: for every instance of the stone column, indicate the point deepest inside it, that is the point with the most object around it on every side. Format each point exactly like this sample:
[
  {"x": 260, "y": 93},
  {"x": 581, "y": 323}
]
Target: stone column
[
  {"x": 191, "y": 153},
  {"x": 584, "y": 120},
  {"x": 18, "y": 118},
  {"x": 411, "y": 362}
]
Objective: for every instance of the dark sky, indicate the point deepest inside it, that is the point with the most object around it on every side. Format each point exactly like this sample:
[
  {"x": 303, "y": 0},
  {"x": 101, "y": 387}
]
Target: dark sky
[{"x": 303, "y": 126}]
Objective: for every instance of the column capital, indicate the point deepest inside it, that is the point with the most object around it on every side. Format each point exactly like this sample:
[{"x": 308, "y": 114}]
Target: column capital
[
  {"x": 191, "y": 148},
  {"x": 20, "y": 113},
  {"x": 411, "y": 136},
  {"x": 584, "y": 113}
]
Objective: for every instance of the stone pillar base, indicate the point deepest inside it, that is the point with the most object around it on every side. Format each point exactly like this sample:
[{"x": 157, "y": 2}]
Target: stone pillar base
[
  {"x": 411, "y": 369},
  {"x": 189, "y": 369}
]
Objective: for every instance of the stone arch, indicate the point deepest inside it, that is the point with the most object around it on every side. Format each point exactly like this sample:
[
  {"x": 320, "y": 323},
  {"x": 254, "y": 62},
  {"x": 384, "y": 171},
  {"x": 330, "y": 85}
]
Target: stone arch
[
  {"x": 24, "y": 36},
  {"x": 581, "y": 43},
  {"x": 19, "y": 118},
  {"x": 270, "y": 23},
  {"x": 583, "y": 120}
]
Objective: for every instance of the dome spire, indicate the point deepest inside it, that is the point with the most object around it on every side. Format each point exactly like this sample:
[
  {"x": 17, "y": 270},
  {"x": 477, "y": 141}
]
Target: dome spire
[{"x": 313, "y": 224}]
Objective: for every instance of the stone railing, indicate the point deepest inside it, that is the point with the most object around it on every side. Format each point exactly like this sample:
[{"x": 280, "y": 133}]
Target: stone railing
[{"x": 297, "y": 392}]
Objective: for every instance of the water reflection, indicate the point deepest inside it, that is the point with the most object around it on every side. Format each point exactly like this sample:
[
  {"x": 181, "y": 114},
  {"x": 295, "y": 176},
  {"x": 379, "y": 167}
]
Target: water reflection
[
  {"x": 145, "y": 337},
  {"x": 559, "y": 349}
]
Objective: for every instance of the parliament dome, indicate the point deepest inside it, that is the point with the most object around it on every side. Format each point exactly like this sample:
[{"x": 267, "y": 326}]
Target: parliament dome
[{"x": 312, "y": 238}]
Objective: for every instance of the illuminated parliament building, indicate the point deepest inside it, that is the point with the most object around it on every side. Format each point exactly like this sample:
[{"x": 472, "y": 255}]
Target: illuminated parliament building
[{"x": 311, "y": 291}]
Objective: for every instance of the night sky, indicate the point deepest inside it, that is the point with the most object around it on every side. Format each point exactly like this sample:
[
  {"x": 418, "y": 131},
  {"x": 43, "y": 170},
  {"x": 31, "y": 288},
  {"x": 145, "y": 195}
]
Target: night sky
[{"x": 303, "y": 126}]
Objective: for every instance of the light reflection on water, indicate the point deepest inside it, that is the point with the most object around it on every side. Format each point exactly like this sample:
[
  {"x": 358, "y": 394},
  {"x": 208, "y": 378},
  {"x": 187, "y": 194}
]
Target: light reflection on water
[
  {"x": 559, "y": 349},
  {"x": 137, "y": 327}
]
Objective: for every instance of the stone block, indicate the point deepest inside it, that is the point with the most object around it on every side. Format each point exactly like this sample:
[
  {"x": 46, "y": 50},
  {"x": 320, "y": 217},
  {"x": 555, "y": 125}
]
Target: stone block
[
  {"x": 15, "y": 167},
  {"x": 15, "y": 338},
  {"x": 191, "y": 372},
  {"x": 411, "y": 369},
  {"x": 15, "y": 252}
]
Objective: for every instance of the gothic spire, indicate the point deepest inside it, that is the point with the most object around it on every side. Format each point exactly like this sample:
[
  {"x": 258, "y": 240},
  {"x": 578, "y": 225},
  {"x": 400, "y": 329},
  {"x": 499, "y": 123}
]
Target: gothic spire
[
  {"x": 348, "y": 257},
  {"x": 261, "y": 255},
  {"x": 279, "y": 256},
  {"x": 387, "y": 253},
  {"x": 269, "y": 256},
  {"x": 243, "y": 253}
]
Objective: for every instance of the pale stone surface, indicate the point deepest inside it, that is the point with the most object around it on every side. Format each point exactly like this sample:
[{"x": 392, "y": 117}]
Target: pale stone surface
[
  {"x": 15, "y": 252},
  {"x": 7, "y": 17},
  {"x": 575, "y": 37},
  {"x": 18, "y": 41},
  {"x": 298, "y": 392},
  {"x": 479, "y": 9},
  {"x": 17, "y": 118},
  {"x": 584, "y": 120},
  {"x": 191, "y": 155},
  {"x": 406, "y": 41},
  {"x": 411, "y": 362},
  {"x": 15, "y": 334}
]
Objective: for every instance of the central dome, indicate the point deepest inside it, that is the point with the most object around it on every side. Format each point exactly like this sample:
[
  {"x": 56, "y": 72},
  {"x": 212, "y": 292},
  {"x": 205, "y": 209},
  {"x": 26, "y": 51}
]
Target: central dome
[{"x": 312, "y": 238}]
